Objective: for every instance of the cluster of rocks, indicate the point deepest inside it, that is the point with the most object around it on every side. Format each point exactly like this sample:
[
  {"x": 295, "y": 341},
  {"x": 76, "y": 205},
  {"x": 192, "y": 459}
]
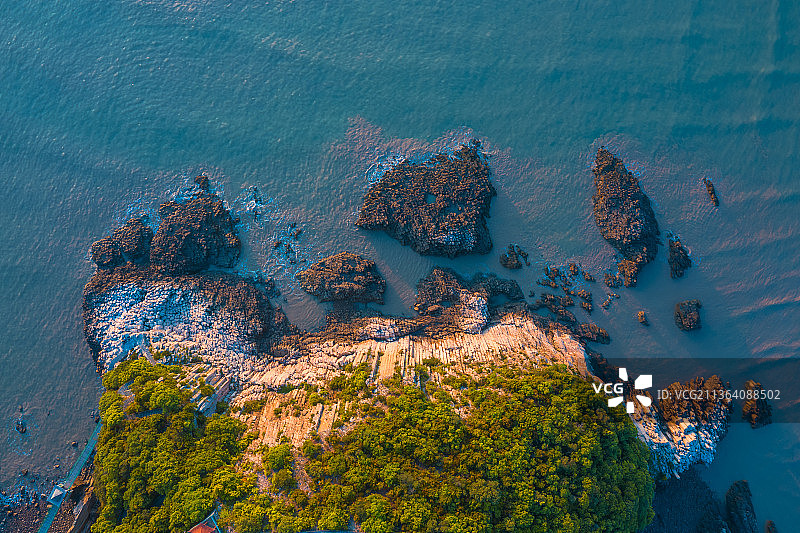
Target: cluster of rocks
[
  {"x": 128, "y": 244},
  {"x": 687, "y": 315},
  {"x": 679, "y": 259},
  {"x": 623, "y": 214},
  {"x": 686, "y": 425},
  {"x": 344, "y": 277},
  {"x": 514, "y": 257},
  {"x": 756, "y": 410},
  {"x": 438, "y": 207}
]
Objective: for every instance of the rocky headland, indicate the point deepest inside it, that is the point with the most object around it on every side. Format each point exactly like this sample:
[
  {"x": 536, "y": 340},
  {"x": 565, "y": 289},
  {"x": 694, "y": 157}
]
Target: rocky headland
[
  {"x": 173, "y": 293},
  {"x": 344, "y": 277},
  {"x": 623, "y": 214},
  {"x": 438, "y": 207}
]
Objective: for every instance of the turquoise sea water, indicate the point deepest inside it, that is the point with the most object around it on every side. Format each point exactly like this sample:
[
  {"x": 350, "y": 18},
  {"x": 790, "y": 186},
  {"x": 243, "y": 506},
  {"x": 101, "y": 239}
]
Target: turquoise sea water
[{"x": 107, "y": 108}]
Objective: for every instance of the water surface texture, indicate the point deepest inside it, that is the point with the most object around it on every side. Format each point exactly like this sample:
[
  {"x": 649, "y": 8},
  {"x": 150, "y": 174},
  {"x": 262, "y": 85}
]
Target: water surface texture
[{"x": 107, "y": 108}]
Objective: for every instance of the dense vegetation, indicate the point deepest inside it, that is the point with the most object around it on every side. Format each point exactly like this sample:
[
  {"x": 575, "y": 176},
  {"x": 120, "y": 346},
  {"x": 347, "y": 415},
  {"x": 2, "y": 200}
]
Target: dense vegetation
[
  {"x": 525, "y": 451},
  {"x": 160, "y": 464}
]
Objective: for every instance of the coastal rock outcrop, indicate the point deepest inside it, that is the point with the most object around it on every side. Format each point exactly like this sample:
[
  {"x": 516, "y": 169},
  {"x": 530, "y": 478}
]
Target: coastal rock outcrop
[
  {"x": 343, "y": 277},
  {"x": 687, "y": 315},
  {"x": 128, "y": 244},
  {"x": 756, "y": 410},
  {"x": 685, "y": 427},
  {"x": 160, "y": 297},
  {"x": 623, "y": 214},
  {"x": 195, "y": 235},
  {"x": 438, "y": 207},
  {"x": 739, "y": 507},
  {"x": 679, "y": 259}
]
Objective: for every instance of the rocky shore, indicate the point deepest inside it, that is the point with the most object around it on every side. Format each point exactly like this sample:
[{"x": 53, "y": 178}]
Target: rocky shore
[
  {"x": 623, "y": 215},
  {"x": 148, "y": 296},
  {"x": 438, "y": 207}
]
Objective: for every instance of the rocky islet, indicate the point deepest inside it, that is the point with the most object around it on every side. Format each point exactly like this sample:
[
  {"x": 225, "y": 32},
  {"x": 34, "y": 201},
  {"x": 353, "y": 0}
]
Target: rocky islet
[
  {"x": 623, "y": 215},
  {"x": 438, "y": 206}
]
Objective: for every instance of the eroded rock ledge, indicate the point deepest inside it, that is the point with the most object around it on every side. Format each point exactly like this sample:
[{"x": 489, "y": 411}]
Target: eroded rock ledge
[
  {"x": 624, "y": 215},
  {"x": 438, "y": 207}
]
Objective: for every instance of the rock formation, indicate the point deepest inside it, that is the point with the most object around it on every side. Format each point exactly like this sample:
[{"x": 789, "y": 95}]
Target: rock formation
[
  {"x": 679, "y": 259},
  {"x": 687, "y": 315},
  {"x": 712, "y": 194},
  {"x": 194, "y": 236},
  {"x": 756, "y": 410},
  {"x": 739, "y": 507},
  {"x": 686, "y": 425},
  {"x": 438, "y": 207},
  {"x": 624, "y": 215},
  {"x": 164, "y": 300},
  {"x": 344, "y": 277},
  {"x": 514, "y": 257},
  {"x": 128, "y": 244}
]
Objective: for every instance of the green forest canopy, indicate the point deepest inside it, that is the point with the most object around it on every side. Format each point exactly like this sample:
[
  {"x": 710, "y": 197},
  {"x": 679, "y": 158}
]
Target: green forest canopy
[{"x": 538, "y": 451}]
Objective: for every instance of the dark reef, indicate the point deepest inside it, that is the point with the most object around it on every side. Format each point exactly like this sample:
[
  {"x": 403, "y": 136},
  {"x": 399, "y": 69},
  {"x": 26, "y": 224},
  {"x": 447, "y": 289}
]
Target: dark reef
[
  {"x": 624, "y": 215},
  {"x": 344, "y": 276},
  {"x": 679, "y": 259},
  {"x": 739, "y": 508},
  {"x": 438, "y": 207},
  {"x": 687, "y": 315}
]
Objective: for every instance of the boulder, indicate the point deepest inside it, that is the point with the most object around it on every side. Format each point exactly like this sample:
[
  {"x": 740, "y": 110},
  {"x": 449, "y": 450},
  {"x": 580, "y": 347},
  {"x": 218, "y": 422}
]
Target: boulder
[
  {"x": 623, "y": 214},
  {"x": 438, "y": 207},
  {"x": 712, "y": 194},
  {"x": 687, "y": 315},
  {"x": 343, "y": 277}
]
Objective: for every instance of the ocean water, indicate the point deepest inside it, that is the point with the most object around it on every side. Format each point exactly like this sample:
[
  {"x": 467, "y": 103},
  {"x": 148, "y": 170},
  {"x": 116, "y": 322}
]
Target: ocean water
[{"x": 108, "y": 108}]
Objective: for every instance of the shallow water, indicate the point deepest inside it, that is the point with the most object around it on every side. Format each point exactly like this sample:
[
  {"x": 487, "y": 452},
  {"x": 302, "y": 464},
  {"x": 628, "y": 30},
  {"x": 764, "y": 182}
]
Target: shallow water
[{"x": 108, "y": 108}]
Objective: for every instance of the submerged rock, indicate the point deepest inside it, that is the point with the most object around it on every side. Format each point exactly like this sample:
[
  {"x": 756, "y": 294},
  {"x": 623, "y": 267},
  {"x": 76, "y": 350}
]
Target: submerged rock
[
  {"x": 194, "y": 236},
  {"x": 344, "y": 277},
  {"x": 438, "y": 207},
  {"x": 623, "y": 214},
  {"x": 739, "y": 507},
  {"x": 679, "y": 259},
  {"x": 757, "y": 410},
  {"x": 514, "y": 257},
  {"x": 687, "y": 315}
]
